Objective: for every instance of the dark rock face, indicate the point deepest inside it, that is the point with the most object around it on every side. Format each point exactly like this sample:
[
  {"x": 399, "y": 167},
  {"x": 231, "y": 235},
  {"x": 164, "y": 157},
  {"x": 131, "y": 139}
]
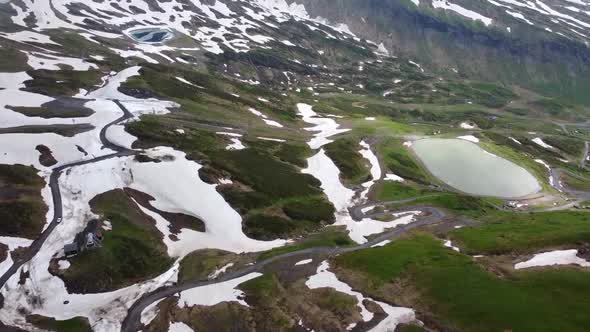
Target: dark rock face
[
  {"x": 584, "y": 253},
  {"x": 528, "y": 56}
]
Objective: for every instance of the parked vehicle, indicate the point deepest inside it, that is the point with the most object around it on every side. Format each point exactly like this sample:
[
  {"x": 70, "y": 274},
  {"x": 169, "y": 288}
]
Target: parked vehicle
[{"x": 90, "y": 240}]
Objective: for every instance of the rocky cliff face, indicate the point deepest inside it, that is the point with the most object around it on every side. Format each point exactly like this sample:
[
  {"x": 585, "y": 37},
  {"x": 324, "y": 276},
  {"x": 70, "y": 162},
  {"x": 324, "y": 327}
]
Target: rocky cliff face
[{"x": 511, "y": 50}]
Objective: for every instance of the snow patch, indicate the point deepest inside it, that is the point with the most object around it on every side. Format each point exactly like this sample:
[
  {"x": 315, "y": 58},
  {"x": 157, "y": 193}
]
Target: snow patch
[
  {"x": 271, "y": 139},
  {"x": 375, "y": 170},
  {"x": 381, "y": 244},
  {"x": 395, "y": 315},
  {"x": 179, "y": 327},
  {"x": 539, "y": 141},
  {"x": 235, "y": 144},
  {"x": 177, "y": 188},
  {"x": 323, "y": 129},
  {"x": 445, "y": 4},
  {"x": 469, "y": 138},
  {"x": 219, "y": 271},
  {"x": 515, "y": 140},
  {"x": 449, "y": 244},
  {"x": 150, "y": 312},
  {"x": 324, "y": 169},
  {"x": 216, "y": 293},
  {"x": 303, "y": 262},
  {"x": 557, "y": 257},
  {"x": 466, "y": 125},
  {"x": 265, "y": 118},
  {"x": 14, "y": 80},
  {"x": 393, "y": 177},
  {"x": 63, "y": 264}
]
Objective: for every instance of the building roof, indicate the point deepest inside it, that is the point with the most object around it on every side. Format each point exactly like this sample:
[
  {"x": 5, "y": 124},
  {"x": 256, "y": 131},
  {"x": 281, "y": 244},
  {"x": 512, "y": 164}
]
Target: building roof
[{"x": 71, "y": 247}]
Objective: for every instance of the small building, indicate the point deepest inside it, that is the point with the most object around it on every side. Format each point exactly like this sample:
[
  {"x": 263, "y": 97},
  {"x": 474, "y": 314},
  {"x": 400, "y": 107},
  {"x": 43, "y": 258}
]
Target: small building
[{"x": 71, "y": 249}]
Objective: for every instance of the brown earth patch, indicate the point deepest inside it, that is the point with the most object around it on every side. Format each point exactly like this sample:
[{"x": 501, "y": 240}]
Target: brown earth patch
[
  {"x": 61, "y": 108},
  {"x": 584, "y": 253},
  {"x": 3, "y": 252},
  {"x": 46, "y": 156},
  {"x": 212, "y": 175},
  {"x": 142, "y": 158},
  {"x": 67, "y": 130},
  {"x": 78, "y": 324}
]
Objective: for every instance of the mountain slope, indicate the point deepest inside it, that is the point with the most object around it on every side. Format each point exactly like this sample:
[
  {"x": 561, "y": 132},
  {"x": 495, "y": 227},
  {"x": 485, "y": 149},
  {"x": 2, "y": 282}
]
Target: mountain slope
[
  {"x": 200, "y": 164},
  {"x": 542, "y": 46}
]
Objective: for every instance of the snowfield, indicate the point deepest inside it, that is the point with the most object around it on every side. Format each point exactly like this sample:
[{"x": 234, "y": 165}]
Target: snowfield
[
  {"x": 174, "y": 16},
  {"x": 150, "y": 312},
  {"x": 52, "y": 62},
  {"x": 117, "y": 134},
  {"x": 469, "y": 138},
  {"x": 375, "y": 171},
  {"x": 444, "y": 4},
  {"x": 20, "y": 148},
  {"x": 174, "y": 183},
  {"x": 323, "y": 168},
  {"x": 393, "y": 177},
  {"x": 216, "y": 293},
  {"x": 14, "y": 81},
  {"x": 176, "y": 186},
  {"x": 105, "y": 311},
  {"x": 557, "y": 257},
  {"x": 539, "y": 141},
  {"x": 466, "y": 125},
  {"x": 323, "y": 127}
]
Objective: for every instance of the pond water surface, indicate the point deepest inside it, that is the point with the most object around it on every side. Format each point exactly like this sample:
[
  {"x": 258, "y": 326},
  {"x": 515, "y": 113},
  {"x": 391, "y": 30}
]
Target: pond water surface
[
  {"x": 150, "y": 35},
  {"x": 465, "y": 166}
]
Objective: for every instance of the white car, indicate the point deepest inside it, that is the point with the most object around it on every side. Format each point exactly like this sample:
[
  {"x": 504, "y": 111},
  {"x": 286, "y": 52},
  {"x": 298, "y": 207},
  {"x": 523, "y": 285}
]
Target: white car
[{"x": 58, "y": 220}]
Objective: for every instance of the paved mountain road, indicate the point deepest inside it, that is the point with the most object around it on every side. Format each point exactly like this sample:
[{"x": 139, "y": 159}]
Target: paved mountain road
[{"x": 132, "y": 322}]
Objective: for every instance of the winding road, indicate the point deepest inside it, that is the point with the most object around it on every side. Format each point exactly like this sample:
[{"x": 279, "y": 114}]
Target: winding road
[
  {"x": 132, "y": 322},
  {"x": 433, "y": 215},
  {"x": 56, "y": 195}
]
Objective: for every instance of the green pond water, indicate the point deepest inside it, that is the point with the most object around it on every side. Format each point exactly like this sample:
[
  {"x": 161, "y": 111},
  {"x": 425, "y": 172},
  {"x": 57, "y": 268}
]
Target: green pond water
[{"x": 465, "y": 166}]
